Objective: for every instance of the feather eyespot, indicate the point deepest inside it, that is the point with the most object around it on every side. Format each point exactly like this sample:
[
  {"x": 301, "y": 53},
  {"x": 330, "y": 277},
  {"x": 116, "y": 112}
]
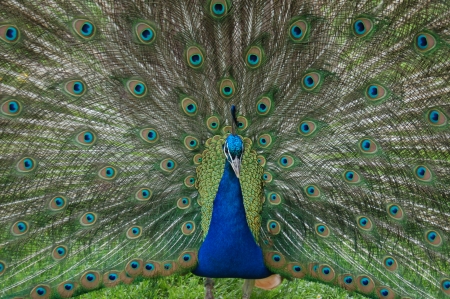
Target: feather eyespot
[
  {"x": 312, "y": 81},
  {"x": 88, "y": 219},
  {"x": 57, "y": 203},
  {"x": 134, "y": 232},
  {"x": 2, "y": 267},
  {"x": 264, "y": 106},
  {"x": 143, "y": 194},
  {"x": 390, "y": 263},
  {"x": 188, "y": 228},
  {"x": 213, "y": 123},
  {"x": 86, "y": 138},
  {"x": 368, "y": 146},
  {"x": 59, "y": 252},
  {"x": 108, "y": 173},
  {"x": 274, "y": 259},
  {"x": 219, "y": 8},
  {"x": 195, "y": 57},
  {"x": 346, "y": 281},
  {"x": 307, "y": 128},
  {"x": 187, "y": 259},
  {"x": 326, "y": 273},
  {"x": 149, "y": 135},
  {"x": 41, "y": 291},
  {"x": 254, "y": 57},
  {"x": 151, "y": 269},
  {"x": 264, "y": 140},
  {"x": 242, "y": 123},
  {"x": 11, "y": 108},
  {"x": 395, "y": 211},
  {"x": 286, "y": 161},
  {"x": 351, "y": 177},
  {"x": 9, "y": 33},
  {"x": 111, "y": 279},
  {"x": 84, "y": 28},
  {"x": 20, "y": 228},
  {"x": 189, "y": 106},
  {"x": 136, "y": 88},
  {"x": 425, "y": 43},
  {"x": 267, "y": 177},
  {"x": 445, "y": 286},
  {"x": 183, "y": 203},
  {"x": 436, "y": 118},
  {"x": 168, "y": 165},
  {"x": 433, "y": 238},
  {"x": 189, "y": 181},
  {"x": 364, "y": 223},
  {"x": 26, "y": 165},
  {"x": 365, "y": 284},
  {"x": 312, "y": 191},
  {"x": 198, "y": 158},
  {"x": 322, "y": 230},
  {"x": 145, "y": 33},
  {"x": 385, "y": 292},
  {"x": 423, "y": 173},
  {"x": 191, "y": 143},
  {"x": 298, "y": 31},
  {"x": 67, "y": 288},
  {"x": 273, "y": 227},
  {"x": 297, "y": 270},
  {"x": 90, "y": 280},
  {"x": 376, "y": 93},
  {"x": 75, "y": 88},
  {"x": 261, "y": 160},
  {"x": 134, "y": 267},
  {"x": 227, "y": 88},
  {"x": 274, "y": 198},
  {"x": 362, "y": 27}
]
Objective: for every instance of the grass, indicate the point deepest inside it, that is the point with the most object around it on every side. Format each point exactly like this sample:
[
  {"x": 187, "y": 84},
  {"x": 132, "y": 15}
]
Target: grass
[{"x": 191, "y": 287}]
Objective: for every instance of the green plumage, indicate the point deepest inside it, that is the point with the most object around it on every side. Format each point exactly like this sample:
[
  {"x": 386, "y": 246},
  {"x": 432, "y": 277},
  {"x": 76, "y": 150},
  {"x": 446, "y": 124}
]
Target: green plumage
[{"x": 108, "y": 169}]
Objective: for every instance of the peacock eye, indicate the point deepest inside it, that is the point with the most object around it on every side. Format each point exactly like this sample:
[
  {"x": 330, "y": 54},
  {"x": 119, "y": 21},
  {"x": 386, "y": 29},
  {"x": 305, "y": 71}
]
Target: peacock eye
[
  {"x": 40, "y": 291},
  {"x": 286, "y": 161},
  {"x": 312, "y": 81},
  {"x": 242, "y": 123},
  {"x": 26, "y": 165},
  {"x": 59, "y": 252},
  {"x": 143, "y": 194},
  {"x": 219, "y": 8},
  {"x": 134, "y": 232},
  {"x": 149, "y": 135},
  {"x": 267, "y": 177},
  {"x": 212, "y": 123},
  {"x": 423, "y": 173},
  {"x": 11, "y": 108},
  {"x": 365, "y": 284},
  {"x": 9, "y": 33},
  {"x": 322, "y": 230},
  {"x": 273, "y": 227},
  {"x": 195, "y": 57},
  {"x": 274, "y": 198},
  {"x": 368, "y": 146},
  {"x": 227, "y": 88},
  {"x": 433, "y": 238},
  {"x": 352, "y": 177},
  {"x": 390, "y": 263},
  {"x": 436, "y": 118},
  {"x": 145, "y": 33},
  {"x": 312, "y": 191},
  {"x": 395, "y": 211},
  {"x": 136, "y": 88},
  {"x": 189, "y": 106},
  {"x": 254, "y": 57},
  {"x": 362, "y": 27},
  {"x": 168, "y": 165},
  {"x": 264, "y": 140},
  {"x": 261, "y": 160},
  {"x": 191, "y": 143},
  {"x": 20, "y": 228},
  {"x": 425, "y": 43},
  {"x": 88, "y": 219},
  {"x": 75, "y": 88},
  {"x": 188, "y": 227},
  {"x": 375, "y": 93},
  {"x": 2, "y": 267},
  {"x": 183, "y": 203},
  {"x": 84, "y": 28},
  {"x": 108, "y": 173},
  {"x": 364, "y": 223},
  {"x": 57, "y": 203},
  {"x": 307, "y": 128},
  {"x": 264, "y": 106},
  {"x": 86, "y": 138},
  {"x": 189, "y": 181},
  {"x": 298, "y": 31}
]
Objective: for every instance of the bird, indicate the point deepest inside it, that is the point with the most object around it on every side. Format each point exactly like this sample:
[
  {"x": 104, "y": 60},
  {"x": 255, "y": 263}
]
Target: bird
[{"x": 255, "y": 139}]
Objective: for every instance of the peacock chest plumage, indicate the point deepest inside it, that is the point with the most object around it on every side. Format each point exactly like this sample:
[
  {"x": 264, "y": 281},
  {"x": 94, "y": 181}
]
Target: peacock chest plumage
[{"x": 228, "y": 138}]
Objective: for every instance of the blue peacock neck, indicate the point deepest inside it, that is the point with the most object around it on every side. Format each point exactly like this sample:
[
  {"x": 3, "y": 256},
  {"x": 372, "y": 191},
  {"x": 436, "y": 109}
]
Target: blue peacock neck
[{"x": 229, "y": 249}]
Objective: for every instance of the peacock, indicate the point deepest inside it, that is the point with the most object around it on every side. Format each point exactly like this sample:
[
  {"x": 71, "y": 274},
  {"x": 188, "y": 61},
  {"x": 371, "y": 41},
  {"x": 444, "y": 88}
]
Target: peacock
[{"x": 266, "y": 140}]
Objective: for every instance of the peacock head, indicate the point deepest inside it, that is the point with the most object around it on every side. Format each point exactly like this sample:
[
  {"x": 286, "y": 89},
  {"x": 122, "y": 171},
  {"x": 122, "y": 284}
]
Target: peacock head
[{"x": 234, "y": 147}]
